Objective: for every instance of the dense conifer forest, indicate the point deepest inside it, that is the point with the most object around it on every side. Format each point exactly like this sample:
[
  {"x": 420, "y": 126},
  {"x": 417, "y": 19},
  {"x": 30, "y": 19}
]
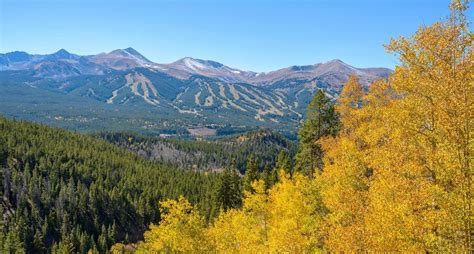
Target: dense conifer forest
[{"x": 67, "y": 191}]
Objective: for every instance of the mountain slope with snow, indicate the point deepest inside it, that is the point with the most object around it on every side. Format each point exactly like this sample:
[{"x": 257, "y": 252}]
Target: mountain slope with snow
[{"x": 189, "y": 90}]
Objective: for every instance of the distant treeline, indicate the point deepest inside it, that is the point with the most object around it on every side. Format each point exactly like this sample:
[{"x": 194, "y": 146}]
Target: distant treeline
[{"x": 214, "y": 155}]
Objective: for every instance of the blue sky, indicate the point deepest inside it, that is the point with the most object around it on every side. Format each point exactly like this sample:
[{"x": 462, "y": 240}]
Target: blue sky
[{"x": 248, "y": 34}]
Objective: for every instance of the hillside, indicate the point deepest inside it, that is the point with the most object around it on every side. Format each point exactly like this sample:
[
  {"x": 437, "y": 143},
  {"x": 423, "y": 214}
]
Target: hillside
[
  {"x": 213, "y": 155},
  {"x": 124, "y": 88},
  {"x": 79, "y": 192}
]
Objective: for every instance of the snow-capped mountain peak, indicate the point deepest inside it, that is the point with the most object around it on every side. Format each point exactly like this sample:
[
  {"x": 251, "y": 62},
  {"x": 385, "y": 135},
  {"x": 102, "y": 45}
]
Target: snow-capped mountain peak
[
  {"x": 334, "y": 71},
  {"x": 208, "y": 68}
]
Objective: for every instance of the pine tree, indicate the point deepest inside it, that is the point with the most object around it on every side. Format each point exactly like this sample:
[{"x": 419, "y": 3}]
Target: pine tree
[
  {"x": 13, "y": 242},
  {"x": 229, "y": 191},
  {"x": 321, "y": 120},
  {"x": 102, "y": 241},
  {"x": 283, "y": 162},
  {"x": 275, "y": 176},
  {"x": 38, "y": 242},
  {"x": 267, "y": 177},
  {"x": 251, "y": 174},
  {"x": 112, "y": 233},
  {"x": 84, "y": 243}
]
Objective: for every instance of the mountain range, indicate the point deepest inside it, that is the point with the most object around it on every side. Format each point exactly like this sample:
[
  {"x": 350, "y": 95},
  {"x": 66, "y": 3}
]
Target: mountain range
[{"x": 64, "y": 88}]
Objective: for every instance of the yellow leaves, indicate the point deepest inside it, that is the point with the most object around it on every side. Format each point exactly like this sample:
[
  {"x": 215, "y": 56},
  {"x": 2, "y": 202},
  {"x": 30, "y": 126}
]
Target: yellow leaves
[
  {"x": 434, "y": 129},
  {"x": 181, "y": 229},
  {"x": 243, "y": 230},
  {"x": 120, "y": 248},
  {"x": 413, "y": 138},
  {"x": 344, "y": 186},
  {"x": 285, "y": 219},
  {"x": 349, "y": 101},
  {"x": 398, "y": 217},
  {"x": 398, "y": 178},
  {"x": 236, "y": 231},
  {"x": 294, "y": 223},
  {"x": 351, "y": 94},
  {"x": 282, "y": 221}
]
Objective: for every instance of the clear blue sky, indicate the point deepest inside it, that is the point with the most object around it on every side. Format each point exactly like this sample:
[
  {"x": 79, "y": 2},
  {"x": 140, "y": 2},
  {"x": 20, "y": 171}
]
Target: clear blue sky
[{"x": 259, "y": 35}]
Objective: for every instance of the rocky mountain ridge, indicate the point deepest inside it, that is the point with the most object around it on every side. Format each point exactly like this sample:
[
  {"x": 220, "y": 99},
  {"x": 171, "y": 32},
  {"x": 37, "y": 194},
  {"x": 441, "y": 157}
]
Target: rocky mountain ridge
[
  {"x": 202, "y": 91},
  {"x": 66, "y": 64}
]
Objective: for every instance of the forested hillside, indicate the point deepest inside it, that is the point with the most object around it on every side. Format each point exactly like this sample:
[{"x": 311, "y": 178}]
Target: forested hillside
[
  {"x": 393, "y": 174},
  {"x": 383, "y": 168},
  {"x": 66, "y": 192},
  {"x": 215, "y": 155},
  {"x": 123, "y": 90}
]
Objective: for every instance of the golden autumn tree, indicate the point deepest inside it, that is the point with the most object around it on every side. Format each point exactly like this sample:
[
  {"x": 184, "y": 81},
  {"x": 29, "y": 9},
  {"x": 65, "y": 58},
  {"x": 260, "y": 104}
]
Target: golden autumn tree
[
  {"x": 295, "y": 215},
  {"x": 344, "y": 188},
  {"x": 181, "y": 230},
  {"x": 411, "y": 138},
  {"x": 243, "y": 230},
  {"x": 426, "y": 173},
  {"x": 345, "y": 178},
  {"x": 282, "y": 220},
  {"x": 349, "y": 101}
]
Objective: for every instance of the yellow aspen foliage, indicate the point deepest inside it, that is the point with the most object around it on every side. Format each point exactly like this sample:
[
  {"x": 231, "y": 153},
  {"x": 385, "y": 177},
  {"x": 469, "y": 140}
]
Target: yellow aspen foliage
[
  {"x": 243, "y": 230},
  {"x": 344, "y": 181},
  {"x": 235, "y": 231},
  {"x": 423, "y": 187},
  {"x": 344, "y": 187},
  {"x": 181, "y": 230},
  {"x": 398, "y": 217},
  {"x": 294, "y": 207},
  {"x": 413, "y": 138},
  {"x": 350, "y": 99},
  {"x": 120, "y": 248},
  {"x": 284, "y": 220}
]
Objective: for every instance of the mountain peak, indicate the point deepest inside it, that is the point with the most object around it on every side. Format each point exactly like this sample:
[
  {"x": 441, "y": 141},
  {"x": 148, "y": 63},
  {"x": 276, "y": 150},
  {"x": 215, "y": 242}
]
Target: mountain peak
[
  {"x": 336, "y": 61},
  {"x": 337, "y": 64},
  {"x": 191, "y": 62},
  {"x": 121, "y": 59},
  {"x": 133, "y": 52},
  {"x": 186, "y": 58},
  {"x": 130, "y": 49},
  {"x": 118, "y": 52},
  {"x": 18, "y": 56},
  {"x": 127, "y": 52},
  {"x": 61, "y": 52}
]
